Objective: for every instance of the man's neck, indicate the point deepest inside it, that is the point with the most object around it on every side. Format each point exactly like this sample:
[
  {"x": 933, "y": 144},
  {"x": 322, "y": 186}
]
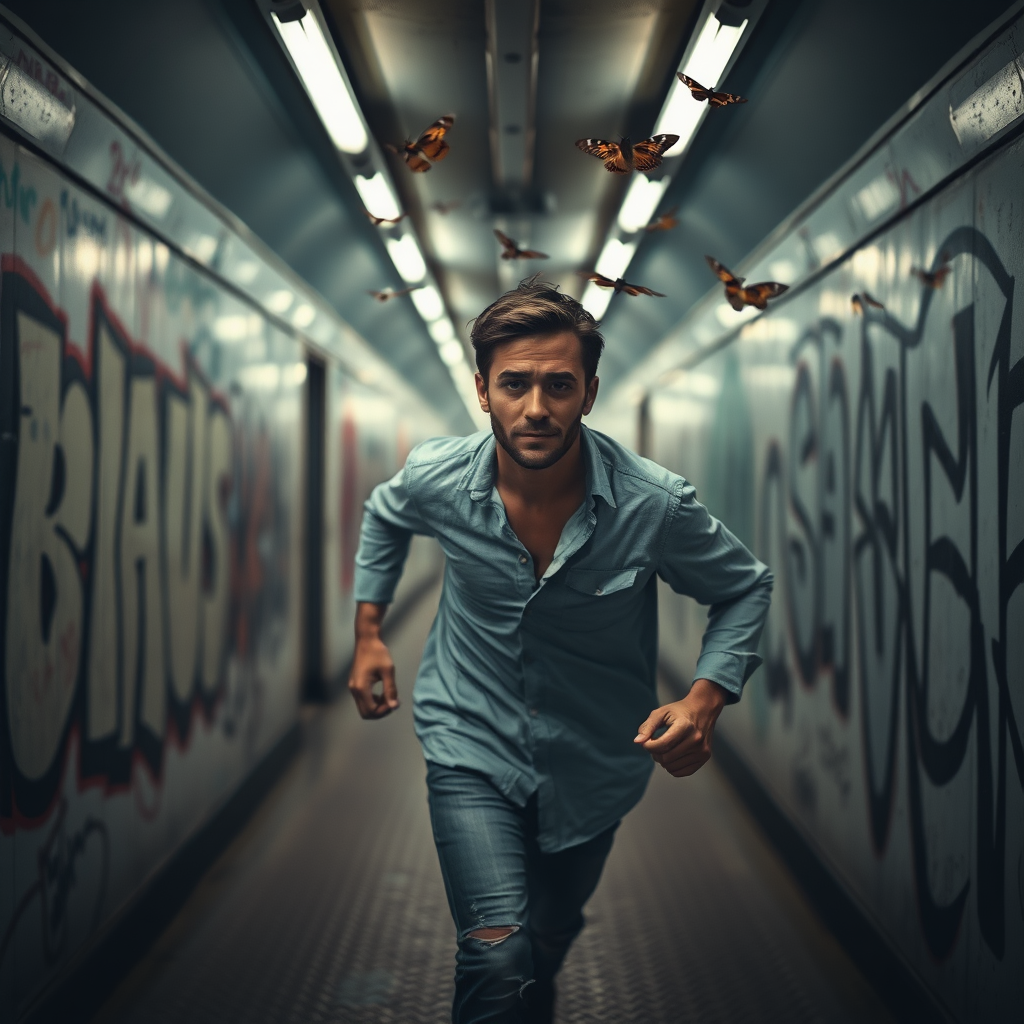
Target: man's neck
[{"x": 542, "y": 486}]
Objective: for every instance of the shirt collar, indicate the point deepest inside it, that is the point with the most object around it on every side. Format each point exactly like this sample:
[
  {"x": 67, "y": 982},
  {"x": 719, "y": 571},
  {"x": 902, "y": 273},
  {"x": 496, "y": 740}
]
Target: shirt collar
[{"x": 479, "y": 476}]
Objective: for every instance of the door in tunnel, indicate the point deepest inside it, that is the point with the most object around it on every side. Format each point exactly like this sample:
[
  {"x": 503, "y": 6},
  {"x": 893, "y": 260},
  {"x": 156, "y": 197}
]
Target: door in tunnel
[{"x": 314, "y": 686}]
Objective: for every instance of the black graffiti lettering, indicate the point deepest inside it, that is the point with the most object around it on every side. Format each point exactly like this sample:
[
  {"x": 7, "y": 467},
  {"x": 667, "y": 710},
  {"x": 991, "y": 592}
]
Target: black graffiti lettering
[{"x": 109, "y": 580}]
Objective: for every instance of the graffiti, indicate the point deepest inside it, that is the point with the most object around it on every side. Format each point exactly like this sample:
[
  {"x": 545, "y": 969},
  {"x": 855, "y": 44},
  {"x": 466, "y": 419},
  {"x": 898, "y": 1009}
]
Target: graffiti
[
  {"x": 77, "y": 218},
  {"x": 905, "y": 521},
  {"x": 57, "y": 878},
  {"x": 124, "y": 172},
  {"x": 45, "y": 76},
  {"x": 115, "y": 552},
  {"x": 15, "y": 195}
]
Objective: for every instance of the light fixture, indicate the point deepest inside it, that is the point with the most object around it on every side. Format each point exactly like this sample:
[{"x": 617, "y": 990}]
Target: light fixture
[
  {"x": 451, "y": 353},
  {"x": 428, "y": 303},
  {"x": 407, "y": 258},
  {"x": 442, "y": 330},
  {"x": 149, "y": 197},
  {"x": 615, "y": 257},
  {"x": 236, "y": 326},
  {"x": 595, "y": 300},
  {"x": 641, "y": 201},
  {"x": 280, "y": 301},
  {"x": 246, "y": 271},
  {"x": 707, "y": 62},
  {"x": 326, "y": 87},
  {"x": 377, "y": 196},
  {"x": 304, "y": 315}
]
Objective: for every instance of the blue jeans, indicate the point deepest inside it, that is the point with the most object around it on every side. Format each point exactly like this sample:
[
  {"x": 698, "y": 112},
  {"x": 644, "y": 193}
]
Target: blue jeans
[{"x": 496, "y": 876}]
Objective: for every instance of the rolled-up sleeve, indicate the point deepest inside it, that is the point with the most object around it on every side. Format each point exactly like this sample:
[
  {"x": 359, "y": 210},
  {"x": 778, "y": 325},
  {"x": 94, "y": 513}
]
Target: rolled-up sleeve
[
  {"x": 702, "y": 559},
  {"x": 390, "y": 518}
]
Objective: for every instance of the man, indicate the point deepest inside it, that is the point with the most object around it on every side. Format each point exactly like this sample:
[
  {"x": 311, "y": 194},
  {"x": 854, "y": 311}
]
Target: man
[{"x": 541, "y": 661}]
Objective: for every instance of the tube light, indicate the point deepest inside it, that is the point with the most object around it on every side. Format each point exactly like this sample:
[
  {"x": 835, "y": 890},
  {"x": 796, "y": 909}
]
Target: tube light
[
  {"x": 595, "y": 300},
  {"x": 615, "y": 257},
  {"x": 316, "y": 65},
  {"x": 377, "y": 196},
  {"x": 428, "y": 303},
  {"x": 442, "y": 330},
  {"x": 451, "y": 353},
  {"x": 407, "y": 258},
  {"x": 707, "y": 62},
  {"x": 640, "y": 203}
]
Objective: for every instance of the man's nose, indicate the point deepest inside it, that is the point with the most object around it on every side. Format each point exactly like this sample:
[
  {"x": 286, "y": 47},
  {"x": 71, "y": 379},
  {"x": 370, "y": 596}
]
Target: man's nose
[{"x": 536, "y": 408}]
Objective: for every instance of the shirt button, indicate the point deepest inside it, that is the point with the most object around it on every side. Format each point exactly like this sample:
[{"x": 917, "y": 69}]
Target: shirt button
[
  {"x": 533, "y": 711},
  {"x": 599, "y": 591},
  {"x": 522, "y": 559}
]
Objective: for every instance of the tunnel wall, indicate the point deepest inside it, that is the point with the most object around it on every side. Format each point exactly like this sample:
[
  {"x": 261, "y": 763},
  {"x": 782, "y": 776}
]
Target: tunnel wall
[
  {"x": 874, "y": 459},
  {"x": 152, "y": 526}
]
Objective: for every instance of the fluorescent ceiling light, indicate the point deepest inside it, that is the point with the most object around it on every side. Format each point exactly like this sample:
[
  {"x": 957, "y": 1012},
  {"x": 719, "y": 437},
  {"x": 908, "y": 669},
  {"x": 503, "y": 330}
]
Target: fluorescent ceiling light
[
  {"x": 246, "y": 272},
  {"x": 260, "y": 376},
  {"x": 595, "y": 300},
  {"x": 451, "y": 353},
  {"x": 304, "y": 315},
  {"x": 407, "y": 258},
  {"x": 204, "y": 247},
  {"x": 641, "y": 201},
  {"x": 377, "y": 196},
  {"x": 614, "y": 258},
  {"x": 442, "y": 330},
  {"x": 707, "y": 62},
  {"x": 280, "y": 301},
  {"x": 31, "y": 106},
  {"x": 428, "y": 303},
  {"x": 294, "y": 375},
  {"x": 149, "y": 197},
  {"x": 317, "y": 67},
  {"x": 236, "y": 326}
]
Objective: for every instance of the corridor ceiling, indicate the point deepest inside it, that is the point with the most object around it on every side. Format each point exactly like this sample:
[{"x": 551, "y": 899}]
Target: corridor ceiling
[{"x": 209, "y": 82}]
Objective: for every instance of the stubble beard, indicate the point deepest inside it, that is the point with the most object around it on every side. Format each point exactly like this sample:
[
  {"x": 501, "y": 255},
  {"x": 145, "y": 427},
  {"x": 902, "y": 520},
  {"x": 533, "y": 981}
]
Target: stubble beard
[{"x": 540, "y": 460}]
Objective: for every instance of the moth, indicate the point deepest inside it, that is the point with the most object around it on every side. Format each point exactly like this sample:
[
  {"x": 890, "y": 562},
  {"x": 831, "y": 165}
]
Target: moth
[
  {"x": 864, "y": 299},
  {"x": 756, "y": 295},
  {"x": 511, "y": 251},
  {"x": 375, "y": 220},
  {"x": 446, "y": 208},
  {"x": 390, "y": 293},
  {"x": 618, "y": 284},
  {"x": 666, "y": 222},
  {"x": 429, "y": 147},
  {"x": 623, "y": 157},
  {"x": 714, "y": 99},
  {"x": 934, "y": 278}
]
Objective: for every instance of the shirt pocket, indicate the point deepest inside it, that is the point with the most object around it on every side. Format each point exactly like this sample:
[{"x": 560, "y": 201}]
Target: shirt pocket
[{"x": 600, "y": 582}]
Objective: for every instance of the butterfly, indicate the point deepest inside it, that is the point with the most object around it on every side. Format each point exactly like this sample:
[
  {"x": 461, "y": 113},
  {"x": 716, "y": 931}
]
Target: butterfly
[
  {"x": 622, "y": 157},
  {"x": 446, "y": 208},
  {"x": 375, "y": 220},
  {"x": 714, "y": 99},
  {"x": 618, "y": 284},
  {"x": 391, "y": 294},
  {"x": 666, "y": 222},
  {"x": 864, "y": 299},
  {"x": 934, "y": 278},
  {"x": 753, "y": 295},
  {"x": 430, "y": 146},
  {"x": 513, "y": 252}
]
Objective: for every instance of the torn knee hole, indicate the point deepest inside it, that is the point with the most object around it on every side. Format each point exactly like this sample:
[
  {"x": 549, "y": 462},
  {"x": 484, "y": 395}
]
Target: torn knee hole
[{"x": 493, "y": 936}]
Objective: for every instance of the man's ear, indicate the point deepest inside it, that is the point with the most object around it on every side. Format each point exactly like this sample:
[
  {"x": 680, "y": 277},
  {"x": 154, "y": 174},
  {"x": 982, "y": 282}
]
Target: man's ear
[
  {"x": 591, "y": 395},
  {"x": 481, "y": 392}
]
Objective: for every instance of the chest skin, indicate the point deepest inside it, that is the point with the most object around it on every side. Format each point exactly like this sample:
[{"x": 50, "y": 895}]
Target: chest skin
[{"x": 539, "y": 526}]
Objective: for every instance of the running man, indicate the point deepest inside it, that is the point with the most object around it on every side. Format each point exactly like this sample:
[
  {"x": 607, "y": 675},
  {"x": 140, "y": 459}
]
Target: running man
[{"x": 535, "y": 702}]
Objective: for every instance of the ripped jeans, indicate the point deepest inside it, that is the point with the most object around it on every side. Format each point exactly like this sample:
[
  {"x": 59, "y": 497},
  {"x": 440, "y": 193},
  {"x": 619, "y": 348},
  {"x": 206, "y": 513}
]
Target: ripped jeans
[{"x": 496, "y": 876}]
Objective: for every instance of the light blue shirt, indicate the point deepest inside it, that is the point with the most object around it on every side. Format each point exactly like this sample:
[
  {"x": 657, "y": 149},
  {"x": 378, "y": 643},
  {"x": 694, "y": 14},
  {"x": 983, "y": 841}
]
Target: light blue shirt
[{"x": 541, "y": 685}]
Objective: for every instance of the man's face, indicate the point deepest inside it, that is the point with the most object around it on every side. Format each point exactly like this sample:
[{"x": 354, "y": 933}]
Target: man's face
[{"x": 536, "y": 394}]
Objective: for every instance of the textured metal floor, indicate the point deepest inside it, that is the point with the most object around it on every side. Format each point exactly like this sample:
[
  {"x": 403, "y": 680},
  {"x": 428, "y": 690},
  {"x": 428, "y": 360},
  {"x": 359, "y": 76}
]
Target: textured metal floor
[{"x": 329, "y": 907}]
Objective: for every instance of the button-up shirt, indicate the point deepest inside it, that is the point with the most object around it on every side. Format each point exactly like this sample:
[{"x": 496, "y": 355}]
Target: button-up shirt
[{"x": 541, "y": 684}]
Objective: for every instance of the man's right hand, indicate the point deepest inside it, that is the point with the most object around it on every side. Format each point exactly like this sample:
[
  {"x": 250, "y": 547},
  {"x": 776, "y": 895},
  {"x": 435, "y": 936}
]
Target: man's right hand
[{"x": 372, "y": 665}]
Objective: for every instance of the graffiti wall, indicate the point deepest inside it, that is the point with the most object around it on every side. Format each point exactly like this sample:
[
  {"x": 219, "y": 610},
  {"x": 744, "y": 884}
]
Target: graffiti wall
[
  {"x": 871, "y": 449},
  {"x": 150, "y": 516}
]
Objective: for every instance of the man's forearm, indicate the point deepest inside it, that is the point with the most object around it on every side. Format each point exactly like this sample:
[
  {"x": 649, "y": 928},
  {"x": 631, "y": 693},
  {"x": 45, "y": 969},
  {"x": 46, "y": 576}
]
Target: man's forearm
[{"x": 369, "y": 617}]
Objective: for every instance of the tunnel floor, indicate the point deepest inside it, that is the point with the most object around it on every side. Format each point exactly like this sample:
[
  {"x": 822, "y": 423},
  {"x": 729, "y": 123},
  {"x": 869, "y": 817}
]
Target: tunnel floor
[{"x": 329, "y": 906}]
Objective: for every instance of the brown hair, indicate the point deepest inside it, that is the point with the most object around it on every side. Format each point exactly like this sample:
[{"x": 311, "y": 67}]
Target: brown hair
[{"x": 535, "y": 307}]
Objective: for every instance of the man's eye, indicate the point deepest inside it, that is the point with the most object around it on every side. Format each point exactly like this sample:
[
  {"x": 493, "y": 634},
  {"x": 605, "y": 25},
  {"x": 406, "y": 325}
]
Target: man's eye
[{"x": 514, "y": 385}]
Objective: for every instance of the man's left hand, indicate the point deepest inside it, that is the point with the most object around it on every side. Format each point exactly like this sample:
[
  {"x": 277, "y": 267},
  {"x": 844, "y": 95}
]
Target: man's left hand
[{"x": 686, "y": 744}]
